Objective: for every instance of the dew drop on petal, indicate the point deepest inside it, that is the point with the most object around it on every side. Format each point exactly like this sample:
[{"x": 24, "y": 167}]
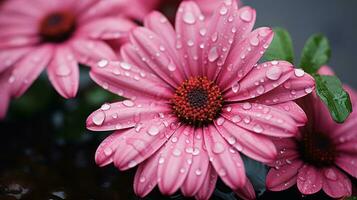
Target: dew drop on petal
[
  {"x": 254, "y": 41},
  {"x": 128, "y": 103},
  {"x": 236, "y": 119},
  {"x": 198, "y": 172},
  {"x": 331, "y": 174},
  {"x": 142, "y": 179},
  {"x": 132, "y": 164},
  {"x": 273, "y": 73},
  {"x": 235, "y": 87},
  {"x": 299, "y": 72},
  {"x": 257, "y": 128},
  {"x": 218, "y": 148},
  {"x": 223, "y": 10},
  {"x": 308, "y": 90},
  {"x": 125, "y": 65},
  {"x": 98, "y": 118},
  {"x": 189, "y": 18},
  {"x": 213, "y": 54},
  {"x": 171, "y": 66},
  {"x": 153, "y": 130},
  {"x": 108, "y": 151},
  {"x": 103, "y": 63},
  {"x": 176, "y": 152},
  {"x": 247, "y": 106},
  {"x": 220, "y": 121},
  {"x": 105, "y": 106},
  {"x": 260, "y": 89},
  {"x": 246, "y": 16}
]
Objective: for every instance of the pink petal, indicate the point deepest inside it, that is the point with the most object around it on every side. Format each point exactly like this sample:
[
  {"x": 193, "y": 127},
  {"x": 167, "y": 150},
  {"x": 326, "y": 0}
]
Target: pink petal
[
  {"x": 89, "y": 52},
  {"x": 159, "y": 62},
  {"x": 146, "y": 176},
  {"x": 309, "y": 180},
  {"x": 11, "y": 56},
  {"x": 129, "y": 81},
  {"x": 336, "y": 184},
  {"x": 296, "y": 87},
  {"x": 4, "y": 94},
  {"x": 63, "y": 72},
  {"x": 143, "y": 141},
  {"x": 83, "y": 6},
  {"x": 258, "y": 147},
  {"x": 247, "y": 192},
  {"x": 244, "y": 56},
  {"x": 128, "y": 53},
  {"x": 106, "y": 28},
  {"x": 227, "y": 163},
  {"x": 262, "y": 119},
  {"x": 175, "y": 161},
  {"x": 207, "y": 188},
  {"x": 189, "y": 22},
  {"x": 18, "y": 41},
  {"x": 24, "y": 8},
  {"x": 125, "y": 114},
  {"x": 29, "y": 68},
  {"x": 260, "y": 80},
  {"x": 348, "y": 162},
  {"x": 294, "y": 110},
  {"x": 284, "y": 177},
  {"x": 102, "y": 9},
  {"x": 199, "y": 166},
  {"x": 160, "y": 25},
  {"x": 326, "y": 70}
]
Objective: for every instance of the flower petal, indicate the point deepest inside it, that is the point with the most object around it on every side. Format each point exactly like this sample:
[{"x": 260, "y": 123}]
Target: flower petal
[
  {"x": 29, "y": 68},
  {"x": 296, "y": 87},
  {"x": 106, "y": 28},
  {"x": 243, "y": 56},
  {"x": 262, "y": 119},
  {"x": 127, "y": 80},
  {"x": 125, "y": 114},
  {"x": 11, "y": 56},
  {"x": 336, "y": 184},
  {"x": 143, "y": 141},
  {"x": 284, "y": 177},
  {"x": 247, "y": 192},
  {"x": 63, "y": 72},
  {"x": 148, "y": 44},
  {"x": 18, "y": 41},
  {"x": 309, "y": 180},
  {"x": 199, "y": 166},
  {"x": 189, "y": 22},
  {"x": 4, "y": 93},
  {"x": 228, "y": 164},
  {"x": 175, "y": 164},
  {"x": 348, "y": 162},
  {"x": 89, "y": 52},
  {"x": 260, "y": 80},
  {"x": 145, "y": 178},
  {"x": 294, "y": 110},
  {"x": 208, "y": 185},
  {"x": 258, "y": 147}
]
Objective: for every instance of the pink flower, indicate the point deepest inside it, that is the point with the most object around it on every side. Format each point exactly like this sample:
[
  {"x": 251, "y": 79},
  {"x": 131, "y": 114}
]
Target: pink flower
[
  {"x": 196, "y": 97},
  {"x": 56, "y": 35},
  {"x": 320, "y": 155}
]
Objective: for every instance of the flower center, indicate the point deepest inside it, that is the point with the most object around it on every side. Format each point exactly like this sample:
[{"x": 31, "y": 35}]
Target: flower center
[
  {"x": 317, "y": 149},
  {"x": 197, "y": 101},
  {"x": 57, "y": 26}
]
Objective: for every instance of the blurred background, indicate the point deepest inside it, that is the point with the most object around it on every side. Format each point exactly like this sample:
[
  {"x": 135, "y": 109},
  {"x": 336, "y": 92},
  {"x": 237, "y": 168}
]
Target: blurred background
[{"x": 46, "y": 152}]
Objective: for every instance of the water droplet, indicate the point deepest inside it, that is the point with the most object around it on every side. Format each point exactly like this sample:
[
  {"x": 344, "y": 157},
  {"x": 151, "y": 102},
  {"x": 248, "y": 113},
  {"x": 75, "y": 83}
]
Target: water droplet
[
  {"x": 220, "y": 121},
  {"x": 247, "y": 106},
  {"x": 98, "y": 118},
  {"x": 171, "y": 67},
  {"x": 257, "y": 128},
  {"x": 132, "y": 164},
  {"x": 103, "y": 63},
  {"x": 247, "y": 120},
  {"x": 142, "y": 179},
  {"x": 162, "y": 48},
  {"x": 182, "y": 170},
  {"x": 229, "y": 109},
  {"x": 232, "y": 140},
  {"x": 288, "y": 161},
  {"x": 235, "y": 87},
  {"x": 105, "y": 106},
  {"x": 274, "y": 62},
  {"x": 273, "y": 73},
  {"x": 203, "y": 31},
  {"x": 161, "y": 160},
  {"x": 176, "y": 152},
  {"x": 128, "y": 103},
  {"x": 190, "y": 43},
  {"x": 108, "y": 151},
  {"x": 299, "y": 72},
  {"x": 223, "y": 10},
  {"x": 236, "y": 118},
  {"x": 218, "y": 148},
  {"x": 213, "y": 54},
  {"x": 330, "y": 174},
  {"x": 214, "y": 37},
  {"x": 153, "y": 130},
  {"x": 246, "y": 16},
  {"x": 222, "y": 172},
  {"x": 125, "y": 65},
  {"x": 189, "y": 18},
  {"x": 308, "y": 90},
  {"x": 260, "y": 89},
  {"x": 254, "y": 41}
]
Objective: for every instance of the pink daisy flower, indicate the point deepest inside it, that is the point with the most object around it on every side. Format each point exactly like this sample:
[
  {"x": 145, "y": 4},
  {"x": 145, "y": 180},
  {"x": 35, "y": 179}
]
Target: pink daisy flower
[
  {"x": 196, "y": 98},
  {"x": 55, "y": 35},
  {"x": 321, "y": 156}
]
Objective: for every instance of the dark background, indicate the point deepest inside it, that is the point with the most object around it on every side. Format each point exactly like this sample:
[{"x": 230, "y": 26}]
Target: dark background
[{"x": 46, "y": 152}]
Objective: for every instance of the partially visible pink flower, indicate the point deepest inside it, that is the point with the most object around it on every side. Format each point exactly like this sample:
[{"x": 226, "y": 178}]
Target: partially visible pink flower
[
  {"x": 321, "y": 156},
  {"x": 55, "y": 35},
  {"x": 196, "y": 98}
]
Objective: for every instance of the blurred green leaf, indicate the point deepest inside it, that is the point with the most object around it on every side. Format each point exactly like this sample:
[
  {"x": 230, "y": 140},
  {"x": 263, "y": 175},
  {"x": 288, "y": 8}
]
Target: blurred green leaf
[
  {"x": 256, "y": 173},
  {"x": 331, "y": 92},
  {"x": 315, "y": 54},
  {"x": 281, "y": 48},
  {"x": 351, "y": 198}
]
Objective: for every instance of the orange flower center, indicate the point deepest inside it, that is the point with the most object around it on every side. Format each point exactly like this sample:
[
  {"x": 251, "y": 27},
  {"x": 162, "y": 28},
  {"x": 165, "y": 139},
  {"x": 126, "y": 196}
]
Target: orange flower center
[
  {"x": 57, "y": 26},
  {"x": 197, "y": 101}
]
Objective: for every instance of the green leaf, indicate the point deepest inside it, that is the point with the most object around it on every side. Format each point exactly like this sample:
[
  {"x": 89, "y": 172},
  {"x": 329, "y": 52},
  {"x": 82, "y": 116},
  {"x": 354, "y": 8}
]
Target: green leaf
[
  {"x": 315, "y": 53},
  {"x": 329, "y": 89},
  {"x": 351, "y": 198},
  {"x": 281, "y": 48},
  {"x": 256, "y": 173}
]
